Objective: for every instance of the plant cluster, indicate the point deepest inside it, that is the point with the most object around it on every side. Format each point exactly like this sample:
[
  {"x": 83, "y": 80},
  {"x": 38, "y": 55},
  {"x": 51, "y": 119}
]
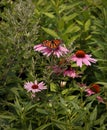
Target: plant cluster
[{"x": 53, "y": 65}]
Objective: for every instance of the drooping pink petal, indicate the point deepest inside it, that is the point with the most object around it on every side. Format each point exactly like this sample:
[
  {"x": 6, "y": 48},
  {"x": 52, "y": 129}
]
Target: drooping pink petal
[
  {"x": 63, "y": 49},
  {"x": 70, "y": 73},
  {"x": 39, "y": 47},
  {"x": 89, "y": 92},
  {"x": 100, "y": 99},
  {"x": 86, "y": 62},
  {"x": 79, "y": 62}
]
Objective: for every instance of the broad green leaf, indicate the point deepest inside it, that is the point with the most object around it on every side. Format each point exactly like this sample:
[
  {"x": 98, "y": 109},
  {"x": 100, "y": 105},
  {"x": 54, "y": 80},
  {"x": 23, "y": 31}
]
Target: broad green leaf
[
  {"x": 73, "y": 38},
  {"x": 70, "y": 17},
  {"x": 51, "y": 32},
  {"x": 79, "y": 22},
  {"x": 65, "y": 91},
  {"x": 72, "y": 29},
  {"x": 87, "y": 25},
  {"x": 53, "y": 87},
  {"x": 69, "y": 98},
  {"x": 63, "y": 102}
]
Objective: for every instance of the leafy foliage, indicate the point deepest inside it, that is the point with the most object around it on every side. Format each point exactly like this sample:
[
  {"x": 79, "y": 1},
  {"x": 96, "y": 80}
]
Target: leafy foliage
[{"x": 80, "y": 25}]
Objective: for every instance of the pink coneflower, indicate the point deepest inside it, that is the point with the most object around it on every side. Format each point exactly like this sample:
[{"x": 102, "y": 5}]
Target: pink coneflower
[
  {"x": 94, "y": 89},
  {"x": 59, "y": 51},
  {"x": 34, "y": 87},
  {"x": 57, "y": 69},
  {"x": 70, "y": 72},
  {"x": 80, "y": 57},
  {"x": 89, "y": 92}
]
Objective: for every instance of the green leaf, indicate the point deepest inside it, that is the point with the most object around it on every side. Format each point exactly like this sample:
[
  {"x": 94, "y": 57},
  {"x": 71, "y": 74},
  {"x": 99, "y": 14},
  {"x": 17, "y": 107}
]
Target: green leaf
[
  {"x": 102, "y": 83},
  {"x": 79, "y": 22},
  {"x": 50, "y": 15},
  {"x": 93, "y": 114},
  {"x": 73, "y": 38},
  {"x": 87, "y": 25},
  {"x": 42, "y": 111},
  {"x": 29, "y": 106},
  {"x": 51, "y": 32},
  {"x": 65, "y": 91},
  {"x": 69, "y": 98},
  {"x": 17, "y": 106},
  {"x": 53, "y": 2},
  {"x": 75, "y": 105},
  {"x": 70, "y": 17},
  {"x": 30, "y": 126},
  {"x": 88, "y": 37},
  {"x": 43, "y": 126},
  {"x": 72, "y": 29},
  {"x": 59, "y": 124},
  {"x": 60, "y": 24},
  {"x": 11, "y": 117},
  {"x": 53, "y": 87},
  {"x": 63, "y": 102}
]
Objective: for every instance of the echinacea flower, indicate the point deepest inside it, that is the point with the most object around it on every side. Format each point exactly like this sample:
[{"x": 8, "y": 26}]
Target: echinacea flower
[
  {"x": 34, "y": 87},
  {"x": 89, "y": 92},
  {"x": 57, "y": 69},
  {"x": 70, "y": 72},
  {"x": 94, "y": 89},
  {"x": 80, "y": 57},
  {"x": 59, "y": 51}
]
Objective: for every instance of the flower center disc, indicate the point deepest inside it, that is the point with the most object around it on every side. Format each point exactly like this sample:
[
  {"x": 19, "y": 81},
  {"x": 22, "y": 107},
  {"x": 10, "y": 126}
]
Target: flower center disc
[
  {"x": 80, "y": 54},
  {"x": 34, "y": 86},
  {"x": 95, "y": 88}
]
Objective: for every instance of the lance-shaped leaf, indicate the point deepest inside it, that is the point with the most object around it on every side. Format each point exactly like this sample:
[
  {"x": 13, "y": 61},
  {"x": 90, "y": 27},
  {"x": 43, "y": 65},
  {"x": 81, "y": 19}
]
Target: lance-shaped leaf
[{"x": 51, "y": 32}]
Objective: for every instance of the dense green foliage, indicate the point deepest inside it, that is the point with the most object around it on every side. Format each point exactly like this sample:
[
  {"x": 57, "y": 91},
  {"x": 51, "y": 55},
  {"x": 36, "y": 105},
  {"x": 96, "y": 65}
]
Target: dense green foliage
[{"x": 81, "y": 24}]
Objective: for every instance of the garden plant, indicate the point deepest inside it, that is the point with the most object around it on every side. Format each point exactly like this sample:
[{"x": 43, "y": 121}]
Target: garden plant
[{"x": 53, "y": 65}]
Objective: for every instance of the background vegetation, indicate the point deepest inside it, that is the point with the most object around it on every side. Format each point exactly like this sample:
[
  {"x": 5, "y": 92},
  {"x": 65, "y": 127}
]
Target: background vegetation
[{"x": 81, "y": 24}]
